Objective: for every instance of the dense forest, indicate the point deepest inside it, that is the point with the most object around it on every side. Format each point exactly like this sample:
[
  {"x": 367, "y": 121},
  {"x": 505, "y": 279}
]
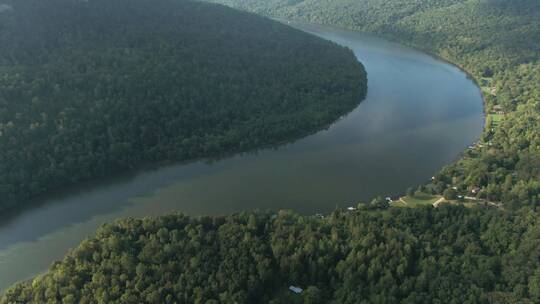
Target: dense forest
[
  {"x": 377, "y": 254},
  {"x": 396, "y": 255},
  {"x": 90, "y": 88},
  {"x": 496, "y": 41}
]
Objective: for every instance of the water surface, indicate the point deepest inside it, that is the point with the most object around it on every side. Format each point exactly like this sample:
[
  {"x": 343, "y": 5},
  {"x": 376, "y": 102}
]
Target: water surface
[{"x": 419, "y": 114}]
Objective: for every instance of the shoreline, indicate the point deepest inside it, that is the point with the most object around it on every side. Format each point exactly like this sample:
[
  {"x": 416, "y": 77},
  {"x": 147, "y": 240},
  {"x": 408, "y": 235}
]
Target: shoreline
[
  {"x": 58, "y": 193},
  {"x": 9, "y": 214},
  {"x": 390, "y": 38}
]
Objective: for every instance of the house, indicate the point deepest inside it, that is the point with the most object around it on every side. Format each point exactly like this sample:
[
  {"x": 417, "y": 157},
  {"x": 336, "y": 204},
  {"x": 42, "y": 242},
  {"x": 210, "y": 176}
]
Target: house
[
  {"x": 295, "y": 289},
  {"x": 498, "y": 109},
  {"x": 475, "y": 190}
]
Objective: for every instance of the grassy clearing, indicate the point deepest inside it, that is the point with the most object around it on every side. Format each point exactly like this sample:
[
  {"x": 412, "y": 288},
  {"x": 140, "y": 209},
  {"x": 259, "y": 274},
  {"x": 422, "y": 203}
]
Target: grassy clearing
[
  {"x": 496, "y": 118},
  {"x": 398, "y": 204},
  {"x": 420, "y": 200}
]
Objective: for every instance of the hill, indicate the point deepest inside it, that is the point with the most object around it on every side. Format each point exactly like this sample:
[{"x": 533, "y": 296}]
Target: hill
[
  {"x": 398, "y": 255},
  {"x": 376, "y": 254},
  {"x": 92, "y": 88}
]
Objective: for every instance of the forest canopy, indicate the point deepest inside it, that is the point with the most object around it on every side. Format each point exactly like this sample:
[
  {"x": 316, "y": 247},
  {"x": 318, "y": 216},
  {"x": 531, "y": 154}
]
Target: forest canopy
[
  {"x": 376, "y": 254},
  {"x": 399, "y": 255},
  {"x": 91, "y": 88}
]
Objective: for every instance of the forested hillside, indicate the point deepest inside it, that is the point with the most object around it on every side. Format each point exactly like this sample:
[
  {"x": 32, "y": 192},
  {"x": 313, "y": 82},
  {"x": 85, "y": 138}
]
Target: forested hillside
[
  {"x": 399, "y": 255},
  {"x": 90, "y": 88},
  {"x": 376, "y": 254},
  {"x": 497, "y": 41}
]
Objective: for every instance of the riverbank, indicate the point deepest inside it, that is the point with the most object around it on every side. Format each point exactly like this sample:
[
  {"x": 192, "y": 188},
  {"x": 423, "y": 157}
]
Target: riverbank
[
  {"x": 371, "y": 151},
  {"x": 394, "y": 39},
  {"x": 235, "y": 91}
]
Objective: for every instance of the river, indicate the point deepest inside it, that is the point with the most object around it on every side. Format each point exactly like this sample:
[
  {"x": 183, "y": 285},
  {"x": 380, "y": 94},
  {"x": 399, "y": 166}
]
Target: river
[{"x": 419, "y": 115}]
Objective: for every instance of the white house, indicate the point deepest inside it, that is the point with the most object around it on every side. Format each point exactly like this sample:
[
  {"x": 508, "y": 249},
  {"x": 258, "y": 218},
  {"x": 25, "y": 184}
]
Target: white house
[{"x": 295, "y": 289}]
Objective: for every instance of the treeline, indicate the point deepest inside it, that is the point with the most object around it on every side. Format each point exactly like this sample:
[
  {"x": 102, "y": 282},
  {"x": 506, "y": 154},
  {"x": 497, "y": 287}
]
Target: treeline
[
  {"x": 497, "y": 41},
  {"x": 397, "y": 255},
  {"x": 90, "y": 88}
]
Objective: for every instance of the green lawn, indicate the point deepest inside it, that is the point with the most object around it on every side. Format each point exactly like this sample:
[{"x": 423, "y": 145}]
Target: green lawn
[
  {"x": 420, "y": 200},
  {"x": 486, "y": 90},
  {"x": 398, "y": 204},
  {"x": 495, "y": 119}
]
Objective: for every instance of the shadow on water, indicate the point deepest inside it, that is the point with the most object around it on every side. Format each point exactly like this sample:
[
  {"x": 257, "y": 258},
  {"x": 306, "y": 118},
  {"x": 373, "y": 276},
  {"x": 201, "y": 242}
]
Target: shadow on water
[{"x": 111, "y": 194}]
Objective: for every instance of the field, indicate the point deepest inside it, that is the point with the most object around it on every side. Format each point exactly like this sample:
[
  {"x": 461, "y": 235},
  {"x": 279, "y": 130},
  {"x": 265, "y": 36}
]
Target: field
[
  {"x": 416, "y": 200},
  {"x": 495, "y": 118}
]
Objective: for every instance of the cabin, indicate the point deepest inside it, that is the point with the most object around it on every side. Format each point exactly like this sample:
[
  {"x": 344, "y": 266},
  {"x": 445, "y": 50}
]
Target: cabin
[
  {"x": 498, "y": 109},
  {"x": 295, "y": 289}
]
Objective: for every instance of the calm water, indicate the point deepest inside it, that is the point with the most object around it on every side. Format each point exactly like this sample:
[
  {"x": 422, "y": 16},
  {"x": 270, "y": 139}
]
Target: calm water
[{"x": 420, "y": 113}]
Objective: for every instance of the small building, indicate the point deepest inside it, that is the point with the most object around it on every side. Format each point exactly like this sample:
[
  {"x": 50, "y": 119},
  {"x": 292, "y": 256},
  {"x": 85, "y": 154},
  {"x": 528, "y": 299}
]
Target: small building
[
  {"x": 498, "y": 109},
  {"x": 295, "y": 289}
]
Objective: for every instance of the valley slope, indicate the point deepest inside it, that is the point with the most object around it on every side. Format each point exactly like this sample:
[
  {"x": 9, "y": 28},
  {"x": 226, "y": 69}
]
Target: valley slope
[
  {"x": 376, "y": 254},
  {"x": 93, "y": 88}
]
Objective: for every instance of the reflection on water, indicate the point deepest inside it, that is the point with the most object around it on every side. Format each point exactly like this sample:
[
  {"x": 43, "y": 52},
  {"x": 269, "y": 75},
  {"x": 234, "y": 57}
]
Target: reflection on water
[{"x": 419, "y": 114}]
